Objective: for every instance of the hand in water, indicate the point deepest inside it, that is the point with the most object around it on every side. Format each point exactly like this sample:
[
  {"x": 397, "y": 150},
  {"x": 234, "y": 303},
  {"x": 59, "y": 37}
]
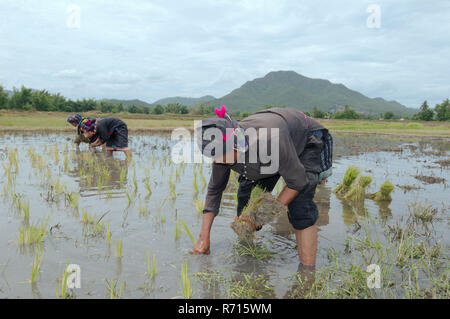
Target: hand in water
[{"x": 202, "y": 246}]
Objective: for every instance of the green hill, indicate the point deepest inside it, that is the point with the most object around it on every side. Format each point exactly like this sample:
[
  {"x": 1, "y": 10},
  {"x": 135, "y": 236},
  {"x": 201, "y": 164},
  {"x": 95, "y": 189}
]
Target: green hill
[
  {"x": 293, "y": 90},
  {"x": 129, "y": 102},
  {"x": 188, "y": 101}
]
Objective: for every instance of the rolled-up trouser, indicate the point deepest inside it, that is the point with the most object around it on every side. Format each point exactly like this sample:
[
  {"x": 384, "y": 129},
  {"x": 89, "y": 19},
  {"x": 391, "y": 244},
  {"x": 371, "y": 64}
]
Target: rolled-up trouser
[{"x": 302, "y": 211}]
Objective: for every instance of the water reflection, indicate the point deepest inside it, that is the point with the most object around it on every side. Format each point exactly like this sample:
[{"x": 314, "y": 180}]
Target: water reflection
[
  {"x": 351, "y": 211},
  {"x": 95, "y": 173},
  {"x": 303, "y": 282}
]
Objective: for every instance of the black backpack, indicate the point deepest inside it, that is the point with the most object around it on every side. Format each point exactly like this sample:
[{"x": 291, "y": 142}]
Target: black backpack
[{"x": 326, "y": 157}]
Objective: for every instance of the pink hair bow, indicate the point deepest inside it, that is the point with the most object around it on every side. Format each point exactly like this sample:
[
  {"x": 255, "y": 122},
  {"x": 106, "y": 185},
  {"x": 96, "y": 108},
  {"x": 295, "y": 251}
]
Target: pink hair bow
[{"x": 220, "y": 113}]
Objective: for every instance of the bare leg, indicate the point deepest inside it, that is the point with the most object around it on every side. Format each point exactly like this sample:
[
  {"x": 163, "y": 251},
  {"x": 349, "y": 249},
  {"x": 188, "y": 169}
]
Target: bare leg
[
  {"x": 307, "y": 245},
  {"x": 109, "y": 153},
  {"x": 203, "y": 243},
  {"x": 128, "y": 154}
]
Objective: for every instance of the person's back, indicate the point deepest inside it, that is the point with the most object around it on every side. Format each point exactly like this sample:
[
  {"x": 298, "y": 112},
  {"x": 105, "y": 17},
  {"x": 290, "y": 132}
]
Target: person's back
[{"x": 293, "y": 122}]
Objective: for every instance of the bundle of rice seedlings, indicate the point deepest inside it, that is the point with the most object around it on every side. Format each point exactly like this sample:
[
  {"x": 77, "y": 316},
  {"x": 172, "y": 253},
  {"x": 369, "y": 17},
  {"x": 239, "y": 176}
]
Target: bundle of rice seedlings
[
  {"x": 358, "y": 191},
  {"x": 261, "y": 209},
  {"x": 252, "y": 202},
  {"x": 241, "y": 227},
  {"x": 350, "y": 176},
  {"x": 384, "y": 194}
]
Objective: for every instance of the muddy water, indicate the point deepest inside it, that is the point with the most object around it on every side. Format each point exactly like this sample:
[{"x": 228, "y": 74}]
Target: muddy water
[{"x": 398, "y": 160}]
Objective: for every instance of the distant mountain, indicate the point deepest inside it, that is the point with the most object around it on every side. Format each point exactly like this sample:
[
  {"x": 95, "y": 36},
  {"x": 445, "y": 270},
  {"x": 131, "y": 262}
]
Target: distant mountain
[
  {"x": 188, "y": 101},
  {"x": 129, "y": 102},
  {"x": 293, "y": 90}
]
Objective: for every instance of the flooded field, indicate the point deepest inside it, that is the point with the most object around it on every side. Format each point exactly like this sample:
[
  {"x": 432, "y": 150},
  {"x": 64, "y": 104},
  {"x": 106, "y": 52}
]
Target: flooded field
[{"x": 130, "y": 226}]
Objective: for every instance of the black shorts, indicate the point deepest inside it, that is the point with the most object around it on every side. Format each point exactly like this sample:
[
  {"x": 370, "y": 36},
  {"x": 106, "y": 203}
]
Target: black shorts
[
  {"x": 118, "y": 139},
  {"x": 302, "y": 211}
]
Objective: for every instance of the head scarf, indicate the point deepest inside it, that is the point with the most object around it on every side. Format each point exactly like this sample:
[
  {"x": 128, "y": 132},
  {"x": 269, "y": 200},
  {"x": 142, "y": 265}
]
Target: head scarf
[
  {"x": 76, "y": 118},
  {"x": 229, "y": 129},
  {"x": 88, "y": 125}
]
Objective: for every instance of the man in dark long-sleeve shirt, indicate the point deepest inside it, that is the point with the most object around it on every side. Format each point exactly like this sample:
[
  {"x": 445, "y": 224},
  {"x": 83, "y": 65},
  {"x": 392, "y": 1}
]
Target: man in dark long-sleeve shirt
[{"x": 296, "y": 140}]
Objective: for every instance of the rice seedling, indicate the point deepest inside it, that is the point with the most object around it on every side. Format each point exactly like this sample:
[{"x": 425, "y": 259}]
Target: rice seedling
[
  {"x": 99, "y": 183},
  {"x": 358, "y": 192},
  {"x": 56, "y": 155},
  {"x": 424, "y": 213},
  {"x": 16, "y": 199},
  {"x": 147, "y": 174},
  {"x": 63, "y": 292},
  {"x": 185, "y": 282},
  {"x": 33, "y": 234},
  {"x": 87, "y": 218},
  {"x": 108, "y": 234},
  {"x": 58, "y": 187},
  {"x": 148, "y": 187},
  {"x": 97, "y": 229},
  {"x": 135, "y": 183},
  {"x": 160, "y": 219},
  {"x": 51, "y": 196},
  {"x": 177, "y": 230},
  {"x": 199, "y": 205},
  {"x": 384, "y": 194},
  {"x": 350, "y": 176},
  {"x": 187, "y": 231},
  {"x": 119, "y": 244},
  {"x": 153, "y": 160},
  {"x": 195, "y": 185},
  {"x": 248, "y": 248},
  {"x": 211, "y": 282},
  {"x": 250, "y": 286},
  {"x": 172, "y": 186},
  {"x": 151, "y": 264},
  {"x": 143, "y": 209},
  {"x": 89, "y": 179},
  {"x": 36, "y": 265},
  {"x": 113, "y": 291},
  {"x": 92, "y": 225},
  {"x": 131, "y": 196},
  {"x": 105, "y": 172},
  {"x": 26, "y": 210},
  {"x": 278, "y": 188},
  {"x": 66, "y": 163},
  {"x": 13, "y": 159},
  {"x": 73, "y": 199}
]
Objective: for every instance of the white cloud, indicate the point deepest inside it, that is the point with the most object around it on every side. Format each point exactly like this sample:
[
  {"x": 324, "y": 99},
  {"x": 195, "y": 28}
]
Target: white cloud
[
  {"x": 68, "y": 74},
  {"x": 150, "y": 50}
]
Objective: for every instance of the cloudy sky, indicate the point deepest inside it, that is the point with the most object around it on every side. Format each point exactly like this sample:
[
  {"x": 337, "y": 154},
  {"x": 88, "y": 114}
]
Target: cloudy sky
[{"x": 157, "y": 48}]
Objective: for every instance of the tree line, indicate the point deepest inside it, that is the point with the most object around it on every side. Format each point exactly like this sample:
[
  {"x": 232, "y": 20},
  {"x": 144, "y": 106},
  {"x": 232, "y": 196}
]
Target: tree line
[
  {"x": 26, "y": 99},
  {"x": 441, "y": 112}
]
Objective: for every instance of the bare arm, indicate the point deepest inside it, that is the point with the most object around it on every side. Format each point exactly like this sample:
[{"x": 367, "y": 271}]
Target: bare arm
[
  {"x": 287, "y": 195},
  {"x": 96, "y": 143}
]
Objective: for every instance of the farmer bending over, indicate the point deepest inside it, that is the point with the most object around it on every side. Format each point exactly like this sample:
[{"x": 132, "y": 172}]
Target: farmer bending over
[
  {"x": 75, "y": 120},
  {"x": 110, "y": 130},
  {"x": 301, "y": 142}
]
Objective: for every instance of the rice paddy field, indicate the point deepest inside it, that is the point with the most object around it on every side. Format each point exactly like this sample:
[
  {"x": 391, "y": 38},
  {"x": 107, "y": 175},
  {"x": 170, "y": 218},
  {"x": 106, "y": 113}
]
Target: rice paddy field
[{"x": 130, "y": 226}]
